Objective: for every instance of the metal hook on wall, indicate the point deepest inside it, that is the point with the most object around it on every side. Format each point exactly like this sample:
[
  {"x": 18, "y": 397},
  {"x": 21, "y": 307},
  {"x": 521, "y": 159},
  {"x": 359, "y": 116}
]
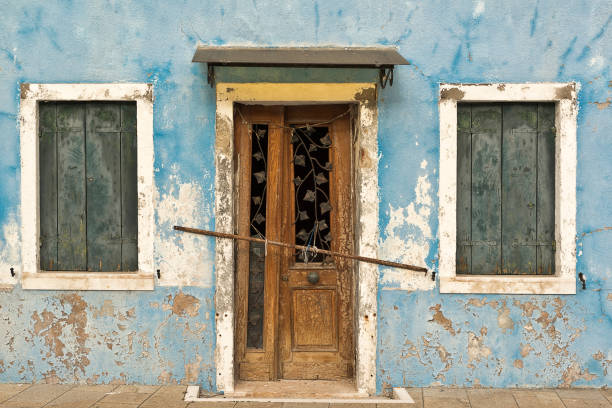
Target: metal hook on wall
[{"x": 582, "y": 278}]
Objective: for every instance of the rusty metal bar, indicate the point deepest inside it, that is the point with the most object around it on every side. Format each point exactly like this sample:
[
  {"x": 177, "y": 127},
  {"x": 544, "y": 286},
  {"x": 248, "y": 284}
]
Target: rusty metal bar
[{"x": 301, "y": 247}]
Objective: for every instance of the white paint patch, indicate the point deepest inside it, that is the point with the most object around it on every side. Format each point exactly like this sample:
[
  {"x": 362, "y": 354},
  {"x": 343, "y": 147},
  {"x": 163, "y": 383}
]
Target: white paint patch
[
  {"x": 479, "y": 8},
  {"x": 183, "y": 259},
  {"x": 597, "y": 62},
  {"x": 9, "y": 252},
  {"x": 407, "y": 239}
]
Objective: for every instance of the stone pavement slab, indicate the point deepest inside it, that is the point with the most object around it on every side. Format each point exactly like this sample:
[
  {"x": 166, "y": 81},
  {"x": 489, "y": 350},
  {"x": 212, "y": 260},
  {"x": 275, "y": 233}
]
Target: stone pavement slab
[
  {"x": 144, "y": 396},
  {"x": 440, "y": 397},
  {"x": 81, "y": 396},
  {"x": 170, "y": 396},
  {"x": 486, "y": 398},
  {"x": 537, "y": 399},
  {"x": 10, "y": 390},
  {"x": 128, "y": 394},
  {"x": 36, "y": 396}
]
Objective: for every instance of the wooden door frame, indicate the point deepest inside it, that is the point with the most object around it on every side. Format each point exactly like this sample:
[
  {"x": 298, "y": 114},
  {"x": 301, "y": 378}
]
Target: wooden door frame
[{"x": 365, "y": 178}]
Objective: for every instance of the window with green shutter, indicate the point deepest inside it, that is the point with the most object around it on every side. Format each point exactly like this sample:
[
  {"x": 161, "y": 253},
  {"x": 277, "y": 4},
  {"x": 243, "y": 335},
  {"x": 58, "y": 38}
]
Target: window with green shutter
[
  {"x": 88, "y": 186},
  {"x": 505, "y": 188}
]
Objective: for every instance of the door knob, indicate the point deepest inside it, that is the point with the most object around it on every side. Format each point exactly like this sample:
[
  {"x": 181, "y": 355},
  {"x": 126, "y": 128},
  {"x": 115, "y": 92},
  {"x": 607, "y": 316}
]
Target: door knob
[{"x": 313, "y": 277}]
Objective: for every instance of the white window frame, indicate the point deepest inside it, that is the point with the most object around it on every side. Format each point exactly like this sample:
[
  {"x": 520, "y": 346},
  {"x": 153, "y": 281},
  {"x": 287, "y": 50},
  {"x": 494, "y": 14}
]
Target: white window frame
[
  {"x": 31, "y": 275},
  {"x": 564, "y": 96}
]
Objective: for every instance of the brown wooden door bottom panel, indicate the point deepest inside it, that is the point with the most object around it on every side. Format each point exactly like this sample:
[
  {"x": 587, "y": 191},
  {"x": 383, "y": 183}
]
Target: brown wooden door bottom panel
[{"x": 317, "y": 371}]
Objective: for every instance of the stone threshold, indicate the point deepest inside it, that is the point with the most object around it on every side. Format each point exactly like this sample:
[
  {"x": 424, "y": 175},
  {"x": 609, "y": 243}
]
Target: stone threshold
[{"x": 400, "y": 396}]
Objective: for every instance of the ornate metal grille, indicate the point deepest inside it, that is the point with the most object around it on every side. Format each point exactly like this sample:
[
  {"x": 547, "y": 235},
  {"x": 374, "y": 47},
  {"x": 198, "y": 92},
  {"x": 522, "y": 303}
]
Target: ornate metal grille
[
  {"x": 311, "y": 174},
  {"x": 257, "y": 256}
]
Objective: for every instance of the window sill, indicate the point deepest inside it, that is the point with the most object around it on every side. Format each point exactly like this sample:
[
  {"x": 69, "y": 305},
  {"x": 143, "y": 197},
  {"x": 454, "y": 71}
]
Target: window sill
[
  {"x": 87, "y": 281},
  {"x": 517, "y": 285}
]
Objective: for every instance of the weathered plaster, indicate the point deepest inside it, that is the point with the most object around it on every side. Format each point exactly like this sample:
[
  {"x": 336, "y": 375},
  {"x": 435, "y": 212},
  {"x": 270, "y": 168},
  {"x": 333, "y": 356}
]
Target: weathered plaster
[
  {"x": 184, "y": 258},
  {"x": 160, "y": 337},
  {"x": 407, "y": 239}
]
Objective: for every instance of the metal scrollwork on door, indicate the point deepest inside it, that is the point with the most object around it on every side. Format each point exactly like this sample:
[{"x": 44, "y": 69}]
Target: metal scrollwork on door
[
  {"x": 257, "y": 259},
  {"x": 311, "y": 175}
]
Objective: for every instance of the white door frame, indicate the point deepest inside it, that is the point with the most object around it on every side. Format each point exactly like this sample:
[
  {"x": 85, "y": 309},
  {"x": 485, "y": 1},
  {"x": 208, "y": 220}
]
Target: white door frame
[{"x": 366, "y": 211}]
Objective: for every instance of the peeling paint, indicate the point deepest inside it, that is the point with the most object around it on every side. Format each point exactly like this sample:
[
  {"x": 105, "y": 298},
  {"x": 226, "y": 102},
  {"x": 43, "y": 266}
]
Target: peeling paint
[
  {"x": 476, "y": 350},
  {"x": 184, "y": 259},
  {"x": 406, "y": 239},
  {"x": 185, "y": 305},
  {"x": 452, "y": 93},
  {"x": 440, "y": 319}
]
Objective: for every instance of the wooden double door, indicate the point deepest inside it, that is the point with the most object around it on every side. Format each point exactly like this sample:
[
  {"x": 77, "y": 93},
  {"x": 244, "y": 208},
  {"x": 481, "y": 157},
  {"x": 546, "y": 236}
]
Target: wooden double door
[{"x": 294, "y": 309}]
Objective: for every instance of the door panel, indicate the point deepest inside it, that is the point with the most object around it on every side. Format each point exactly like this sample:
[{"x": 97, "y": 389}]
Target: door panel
[
  {"x": 302, "y": 326},
  {"x": 316, "y": 319},
  {"x": 257, "y": 266}
]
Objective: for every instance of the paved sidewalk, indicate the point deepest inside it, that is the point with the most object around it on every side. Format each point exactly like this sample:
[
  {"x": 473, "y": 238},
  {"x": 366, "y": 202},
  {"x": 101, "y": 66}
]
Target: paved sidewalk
[{"x": 144, "y": 396}]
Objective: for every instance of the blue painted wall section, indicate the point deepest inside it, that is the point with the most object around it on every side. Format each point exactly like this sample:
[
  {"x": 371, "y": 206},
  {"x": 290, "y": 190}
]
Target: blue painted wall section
[{"x": 424, "y": 338}]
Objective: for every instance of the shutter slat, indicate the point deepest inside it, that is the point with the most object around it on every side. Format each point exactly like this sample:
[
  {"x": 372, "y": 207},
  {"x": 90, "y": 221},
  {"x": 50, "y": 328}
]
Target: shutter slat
[
  {"x": 464, "y": 176},
  {"x": 48, "y": 186},
  {"x": 129, "y": 194},
  {"x": 71, "y": 210},
  {"x": 546, "y": 188},
  {"x": 519, "y": 180},
  {"x": 486, "y": 187},
  {"x": 103, "y": 187}
]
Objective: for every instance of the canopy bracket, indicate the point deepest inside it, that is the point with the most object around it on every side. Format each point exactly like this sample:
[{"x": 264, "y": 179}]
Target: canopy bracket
[{"x": 386, "y": 75}]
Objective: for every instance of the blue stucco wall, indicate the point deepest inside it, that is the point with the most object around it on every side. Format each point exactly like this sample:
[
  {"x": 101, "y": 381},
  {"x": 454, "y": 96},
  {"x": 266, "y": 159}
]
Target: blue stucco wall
[{"x": 423, "y": 337}]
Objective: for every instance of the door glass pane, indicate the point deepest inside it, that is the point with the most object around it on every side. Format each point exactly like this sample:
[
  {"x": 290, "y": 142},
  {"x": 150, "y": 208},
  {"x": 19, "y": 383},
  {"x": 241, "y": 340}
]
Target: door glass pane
[
  {"x": 311, "y": 175},
  {"x": 257, "y": 264}
]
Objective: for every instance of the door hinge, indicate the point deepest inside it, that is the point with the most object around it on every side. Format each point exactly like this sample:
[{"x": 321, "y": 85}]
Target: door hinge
[
  {"x": 552, "y": 244},
  {"x": 479, "y": 243}
]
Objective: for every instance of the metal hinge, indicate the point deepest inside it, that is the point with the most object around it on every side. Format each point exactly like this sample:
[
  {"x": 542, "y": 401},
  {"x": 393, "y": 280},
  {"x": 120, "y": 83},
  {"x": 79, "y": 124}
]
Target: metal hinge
[
  {"x": 552, "y": 244},
  {"x": 479, "y": 243}
]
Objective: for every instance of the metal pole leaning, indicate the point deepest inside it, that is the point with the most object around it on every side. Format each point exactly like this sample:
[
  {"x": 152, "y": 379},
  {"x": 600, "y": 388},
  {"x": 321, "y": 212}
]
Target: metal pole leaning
[{"x": 301, "y": 247}]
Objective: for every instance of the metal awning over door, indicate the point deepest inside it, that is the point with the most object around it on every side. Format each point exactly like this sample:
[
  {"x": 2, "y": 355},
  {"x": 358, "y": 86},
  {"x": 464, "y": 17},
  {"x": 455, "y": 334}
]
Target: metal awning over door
[{"x": 382, "y": 58}]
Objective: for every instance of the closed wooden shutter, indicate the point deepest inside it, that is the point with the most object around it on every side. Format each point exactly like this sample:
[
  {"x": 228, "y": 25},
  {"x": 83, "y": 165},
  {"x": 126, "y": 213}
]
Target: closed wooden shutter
[
  {"x": 88, "y": 196},
  {"x": 505, "y": 188}
]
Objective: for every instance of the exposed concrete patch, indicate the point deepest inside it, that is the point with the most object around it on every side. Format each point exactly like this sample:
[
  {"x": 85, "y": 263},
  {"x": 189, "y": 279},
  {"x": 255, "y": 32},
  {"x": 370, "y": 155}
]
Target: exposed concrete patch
[
  {"x": 185, "y": 305},
  {"x": 477, "y": 351},
  {"x": 69, "y": 327},
  {"x": 503, "y": 319},
  {"x": 440, "y": 319},
  {"x": 526, "y": 349},
  {"x": 574, "y": 373},
  {"x": 451, "y": 93},
  {"x": 192, "y": 371}
]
